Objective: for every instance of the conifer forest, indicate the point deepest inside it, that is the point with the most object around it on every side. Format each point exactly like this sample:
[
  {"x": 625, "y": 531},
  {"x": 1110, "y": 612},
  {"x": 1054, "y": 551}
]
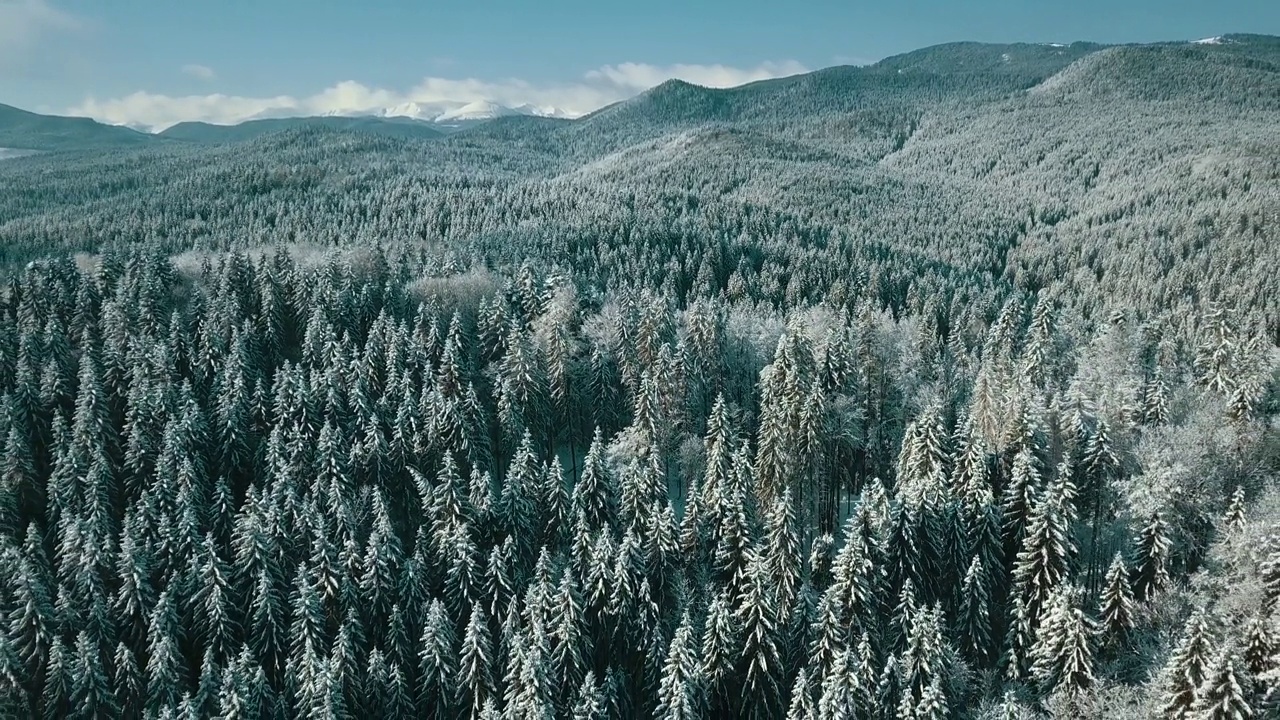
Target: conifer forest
[{"x": 945, "y": 387}]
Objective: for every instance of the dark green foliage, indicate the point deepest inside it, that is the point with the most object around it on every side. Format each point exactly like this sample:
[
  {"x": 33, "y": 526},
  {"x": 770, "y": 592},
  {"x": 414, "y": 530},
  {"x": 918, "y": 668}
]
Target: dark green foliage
[{"x": 592, "y": 419}]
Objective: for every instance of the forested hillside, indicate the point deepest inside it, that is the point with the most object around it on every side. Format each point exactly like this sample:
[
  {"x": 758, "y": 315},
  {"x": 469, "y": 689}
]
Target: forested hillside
[{"x": 945, "y": 387}]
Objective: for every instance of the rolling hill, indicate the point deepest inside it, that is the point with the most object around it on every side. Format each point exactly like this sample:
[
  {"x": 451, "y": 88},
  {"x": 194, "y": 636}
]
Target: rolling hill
[
  {"x": 22, "y": 130},
  {"x": 199, "y": 132}
]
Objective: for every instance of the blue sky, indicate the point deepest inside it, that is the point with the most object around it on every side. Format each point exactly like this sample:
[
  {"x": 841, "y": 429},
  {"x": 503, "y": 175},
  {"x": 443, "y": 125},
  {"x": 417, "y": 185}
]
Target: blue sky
[{"x": 151, "y": 62}]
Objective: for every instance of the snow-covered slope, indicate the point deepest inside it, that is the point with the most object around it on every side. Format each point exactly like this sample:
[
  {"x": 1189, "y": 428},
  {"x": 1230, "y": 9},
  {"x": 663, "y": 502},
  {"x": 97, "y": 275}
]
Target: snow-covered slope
[
  {"x": 450, "y": 114},
  {"x": 478, "y": 110}
]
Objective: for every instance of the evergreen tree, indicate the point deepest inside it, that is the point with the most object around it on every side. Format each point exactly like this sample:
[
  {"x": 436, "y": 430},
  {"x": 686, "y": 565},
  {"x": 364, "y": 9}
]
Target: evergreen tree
[
  {"x": 475, "y": 661},
  {"x": 1116, "y": 602},
  {"x": 590, "y": 703},
  {"x": 90, "y": 691},
  {"x": 1186, "y": 669},
  {"x": 974, "y": 623},
  {"x": 436, "y": 660},
  {"x": 1063, "y": 652},
  {"x": 801, "y": 706},
  {"x": 1222, "y": 694},
  {"x": 719, "y": 643},
  {"x": 679, "y": 696},
  {"x": 1234, "y": 518},
  {"x": 1152, "y": 553}
]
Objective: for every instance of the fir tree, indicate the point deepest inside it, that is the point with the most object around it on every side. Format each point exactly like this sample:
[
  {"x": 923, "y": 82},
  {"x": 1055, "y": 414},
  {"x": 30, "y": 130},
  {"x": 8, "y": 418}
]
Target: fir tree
[
  {"x": 436, "y": 658},
  {"x": 590, "y": 703},
  {"x": 475, "y": 661},
  {"x": 801, "y": 705},
  {"x": 1152, "y": 554},
  {"x": 1186, "y": 669},
  {"x": 1222, "y": 694},
  {"x": 679, "y": 693},
  {"x": 1116, "y": 606},
  {"x": 1063, "y": 652},
  {"x": 974, "y": 624},
  {"x": 1234, "y": 518}
]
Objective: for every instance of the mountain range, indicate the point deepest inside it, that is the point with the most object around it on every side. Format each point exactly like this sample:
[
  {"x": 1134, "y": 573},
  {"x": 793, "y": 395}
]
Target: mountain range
[
  {"x": 1021, "y": 163},
  {"x": 23, "y": 130},
  {"x": 934, "y": 72}
]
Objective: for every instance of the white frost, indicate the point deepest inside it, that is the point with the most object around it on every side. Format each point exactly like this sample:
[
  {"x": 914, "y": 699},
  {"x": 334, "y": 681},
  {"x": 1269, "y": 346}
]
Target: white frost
[{"x": 9, "y": 153}]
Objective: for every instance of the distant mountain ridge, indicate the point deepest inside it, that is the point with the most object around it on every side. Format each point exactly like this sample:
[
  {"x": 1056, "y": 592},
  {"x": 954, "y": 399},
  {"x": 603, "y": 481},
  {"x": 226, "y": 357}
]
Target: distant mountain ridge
[
  {"x": 23, "y": 130},
  {"x": 397, "y": 127},
  {"x": 954, "y": 72}
]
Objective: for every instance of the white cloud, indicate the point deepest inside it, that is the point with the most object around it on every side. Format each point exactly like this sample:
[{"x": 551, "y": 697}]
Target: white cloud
[
  {"x": 199, "y": 72},
  {"x": 24, "y": 24},
  {"x": 432, "y": 96},
  {"x": 143, "y": 109}
]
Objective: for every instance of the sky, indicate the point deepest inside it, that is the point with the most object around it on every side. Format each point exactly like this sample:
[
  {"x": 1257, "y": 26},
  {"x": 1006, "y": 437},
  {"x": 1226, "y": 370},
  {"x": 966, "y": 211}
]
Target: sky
[{"x": 152, "y": 63}]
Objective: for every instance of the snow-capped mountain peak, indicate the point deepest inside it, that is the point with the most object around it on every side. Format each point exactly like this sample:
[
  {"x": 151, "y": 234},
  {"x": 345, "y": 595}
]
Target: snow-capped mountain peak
[
  {"x": 477, "y": 110},
  {"x": 411, "y": 110}
]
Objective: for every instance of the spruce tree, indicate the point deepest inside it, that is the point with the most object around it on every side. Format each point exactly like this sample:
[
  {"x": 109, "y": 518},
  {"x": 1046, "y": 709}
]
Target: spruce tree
[
  {"x": 1115, "y": 606},
  {"x": 679, "y": 693},
  {"x": 974, "y": 622},
  {"x": 475, "y": 661},
  {"x": 1186, "y": 669},
  {"x": 436, "y": 658},
  {"x": 1152, "y": 553},
  {"x": 1222, "y": 694},
  {"x": 1234, "y": 518}
]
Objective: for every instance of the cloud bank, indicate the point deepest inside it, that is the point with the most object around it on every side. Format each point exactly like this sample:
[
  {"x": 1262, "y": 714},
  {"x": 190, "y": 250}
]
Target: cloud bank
[{"x": 429, "y": 98}]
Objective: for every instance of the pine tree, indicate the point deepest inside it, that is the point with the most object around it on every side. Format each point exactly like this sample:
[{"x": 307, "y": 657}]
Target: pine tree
[
  {"x": 593, "y": 494},
  {"x": 568, "y": 661},
  {"x": 1116, "y": 602},
  {"x": 1222, "y": 695},
  {"x": 679, "y": 693},
  {"x": 1019, "y": 495},
  {"x": 1269, "y": 570},
  {"x": 15, "y": 700},
  {"x": 32, "y": 615},
  {"x": 436, "y": 658},
  {"x": 381, "y": 561},
  {"x": 127, "y": 682},
  {"x": 1042, "y": 562},
  {"x": 1063, "y": 653},
  {"x": 1234, "y": 518},
  {"x": 475, "y": 661},
  {"x": 719, "y": 643},
  {"x": 801, "y": 706},
  {"x": 1260, "y": 646},
  {"x": 836, "y": 689},
  {"x": 932, "y": 704},
  {"x": 1152, "y": 552},
  {"x": 974, "y": 623},
  {"x": 783, "y": 550},
  {"x": 166, "y": 670},
  {"x": 90, "y": 692},
  {"x": 758, "y": 624},
  {"x": 1186, "y": 669},
  {"x": 590, "y": 703}
]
